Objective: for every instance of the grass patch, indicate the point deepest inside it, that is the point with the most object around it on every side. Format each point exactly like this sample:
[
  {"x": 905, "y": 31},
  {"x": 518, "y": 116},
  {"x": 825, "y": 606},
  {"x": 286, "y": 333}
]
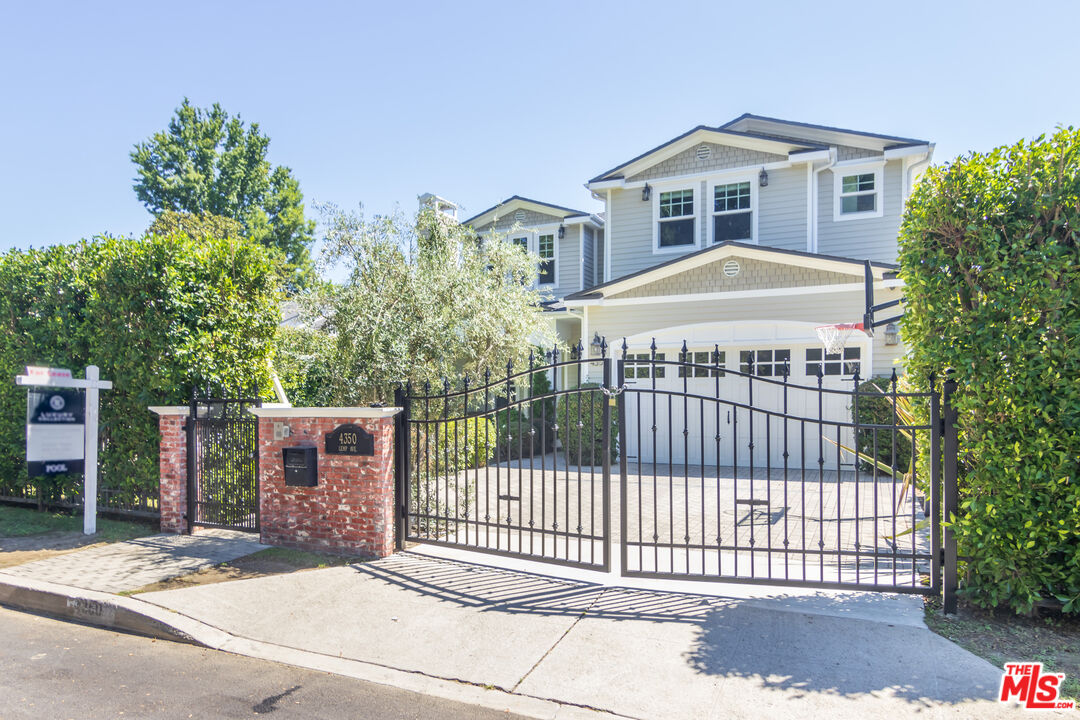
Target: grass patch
[
  {"x": 22, "y": 522},
  {"x": 1000, "y": 637}
]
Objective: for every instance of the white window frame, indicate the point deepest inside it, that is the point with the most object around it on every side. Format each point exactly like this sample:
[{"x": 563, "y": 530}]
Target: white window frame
[
  {"x": 532, "y": 236},
  {"x": 675, "y": 249},
  {"x": 715, "y": 182},
  {"x": 839, "y": 172},
  {"x": 554, "y": 233}
]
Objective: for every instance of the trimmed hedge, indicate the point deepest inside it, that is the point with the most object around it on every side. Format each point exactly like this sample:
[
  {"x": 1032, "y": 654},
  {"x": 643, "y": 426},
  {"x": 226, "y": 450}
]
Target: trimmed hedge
[
  {"x": 586, "y": 441},
  {"x": 989, "y": 252},
  {"x": 158, "y": 315}
]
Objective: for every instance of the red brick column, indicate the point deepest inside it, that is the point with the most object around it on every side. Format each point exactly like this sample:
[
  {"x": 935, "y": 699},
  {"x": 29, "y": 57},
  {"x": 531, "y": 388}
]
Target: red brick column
[
  {"x": 172, "y": 467},
  {"x": 351, "y": 509}
]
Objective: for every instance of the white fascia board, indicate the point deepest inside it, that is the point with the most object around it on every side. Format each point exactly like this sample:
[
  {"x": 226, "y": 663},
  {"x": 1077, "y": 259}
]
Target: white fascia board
[
  {"x": 593, "y": 220},
  {"x": 808, "y": 156},
  {"x": 605, "y": 184},
  {"x": 907, "y": 151},
  {"x": 873, "y": 162}
]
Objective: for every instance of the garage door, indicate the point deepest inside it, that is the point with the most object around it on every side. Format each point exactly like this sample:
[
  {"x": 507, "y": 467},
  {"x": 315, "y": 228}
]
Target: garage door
[{"x": 733, "y": 406}]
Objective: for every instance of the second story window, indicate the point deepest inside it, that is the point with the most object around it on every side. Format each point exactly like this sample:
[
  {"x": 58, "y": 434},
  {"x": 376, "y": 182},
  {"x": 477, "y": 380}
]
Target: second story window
[
  {"x": 675, "y": 224},
  {"x": 521, "y": 242},
  {"x": 545, "y": 248},
  {"x": 858, "y": 192},
  {"x": 732, "y": 213}
]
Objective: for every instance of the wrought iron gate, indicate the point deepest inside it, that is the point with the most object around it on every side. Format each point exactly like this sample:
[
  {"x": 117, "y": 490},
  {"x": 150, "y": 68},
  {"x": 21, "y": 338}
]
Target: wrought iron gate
[
  {"x": 725, "y": 472},
  {"x": 223, "y": 464}
]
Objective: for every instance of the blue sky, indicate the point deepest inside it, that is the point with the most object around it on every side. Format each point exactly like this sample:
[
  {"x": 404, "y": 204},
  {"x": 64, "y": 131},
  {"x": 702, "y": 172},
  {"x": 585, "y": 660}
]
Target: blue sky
[{"x": 375, "y": 103}]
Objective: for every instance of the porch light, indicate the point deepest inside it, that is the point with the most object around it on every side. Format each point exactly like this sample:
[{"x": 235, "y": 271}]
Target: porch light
[
  {"x": 562, "y": 231},
  {"x": 892, "y": 334},
  {"x": 763, "y": 178},
  {"x": 596, "y": 343},
  {"x": 646, "y": 192}
]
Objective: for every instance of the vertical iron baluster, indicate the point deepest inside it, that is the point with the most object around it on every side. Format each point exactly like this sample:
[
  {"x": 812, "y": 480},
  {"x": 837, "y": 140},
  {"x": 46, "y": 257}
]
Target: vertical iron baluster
[
  {"x": 446, "y": 428},
  {"x": 719, "y": 516},
  {"x": 465, "y": 441},
  {"x": 487, "y": 463},
  {"x": 592, "y": 474},
  {"x": 555, "y": 452},
  {"x": 750, "y": 454},
  {"x": 428, "y": 459},
  {"x": 735, "y": 543},
  {"x": 532, "y": 454},
  {"x": 543, "y": 470},
  {"x": 892, "y": 465},
  {"x": 701, "y": 503},
  {"x": 686, "y": 456},
  {"x": 802, "y": 490},
  {"x": 839, "y": 507},
  {"x": 877, "y": 503},
  {"x": 566, "y": 460},
  {"x": 768, "y": 418},
  {"x": 509, "y": 465},
  {"x": 580, "y": 425},
  {"x": 655, "y": 449},
  {"x": 606, "y": 451},
  {"x": 787, "y": 541},
  {"x": 911, "y": 492},
  {"x": 670, "y": 480},
  {"x": 520, "y": 469},
  {"x": 935, "y": 486},
  {"x": 858, "y": 516},
  {"x": 821, "y": 473}
]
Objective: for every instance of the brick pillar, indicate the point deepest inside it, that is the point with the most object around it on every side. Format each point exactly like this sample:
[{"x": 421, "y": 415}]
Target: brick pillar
[
  {"x": 351, "y": 509},
  {"x": 172, "y": 467}
]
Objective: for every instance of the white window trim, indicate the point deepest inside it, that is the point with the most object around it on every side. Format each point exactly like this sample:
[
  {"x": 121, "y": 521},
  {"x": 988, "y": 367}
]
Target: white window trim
[
  {"x": 711, "y": 186},
  {"x": 841, "y": 171},
  {"x": 532, "y": 236},
  {"x": 676, "y": 249}
]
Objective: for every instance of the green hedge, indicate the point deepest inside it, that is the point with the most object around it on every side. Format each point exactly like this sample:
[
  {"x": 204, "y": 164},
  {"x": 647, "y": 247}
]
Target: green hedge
[
  {"x": 158, "y": 315},
  {"x": 989, "y": 252},
  {"x": 586, "y": 438},
  {"x": 877, "y": 409}
]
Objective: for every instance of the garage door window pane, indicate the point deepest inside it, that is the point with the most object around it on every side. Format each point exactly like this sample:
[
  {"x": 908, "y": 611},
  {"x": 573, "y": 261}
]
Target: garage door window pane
[
  {"x": 847, "y": 362},
  {"x": 767, "y": 363}
]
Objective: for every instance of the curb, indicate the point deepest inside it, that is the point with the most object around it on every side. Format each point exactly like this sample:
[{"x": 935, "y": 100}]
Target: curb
[{"x": 129, "y": 614}]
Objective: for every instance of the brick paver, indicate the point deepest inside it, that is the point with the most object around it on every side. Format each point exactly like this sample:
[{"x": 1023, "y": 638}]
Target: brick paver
[{"x": 134, "y": 563}]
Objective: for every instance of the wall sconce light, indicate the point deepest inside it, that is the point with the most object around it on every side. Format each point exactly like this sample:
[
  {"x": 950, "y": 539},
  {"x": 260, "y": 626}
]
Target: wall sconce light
[
  {"x": 562, "y": 231},
  {"x": 646, "y": 192},
  {"x": 892, "y": 334},
  {"x": 763, "y": 178},
  {"x": 596, "y": 343}
]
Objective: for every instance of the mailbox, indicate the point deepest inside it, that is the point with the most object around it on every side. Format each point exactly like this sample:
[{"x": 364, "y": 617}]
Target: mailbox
[{"x": 301, "y": 466}]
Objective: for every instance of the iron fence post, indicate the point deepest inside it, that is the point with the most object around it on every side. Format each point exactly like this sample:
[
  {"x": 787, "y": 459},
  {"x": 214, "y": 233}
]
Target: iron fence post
[
  {"x": 951, "y": 497},
  {"x": 401, "y": 461},
  {"x": 935, "y": 513},
  {"x": 192, "y": 471},
  {"x": 605, "y": 420},
  {"x": 620, "y": 380}
]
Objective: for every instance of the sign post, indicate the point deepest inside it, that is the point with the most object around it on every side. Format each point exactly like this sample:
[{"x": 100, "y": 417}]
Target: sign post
[{"x": 55, "y": 424}]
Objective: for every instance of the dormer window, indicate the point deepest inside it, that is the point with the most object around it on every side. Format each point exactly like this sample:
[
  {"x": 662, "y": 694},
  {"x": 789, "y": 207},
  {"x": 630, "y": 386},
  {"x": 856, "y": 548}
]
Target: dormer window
[
  {"x": 733, "y": 215},
  {"x": 675, "y": 222},
  {"x": 857, "y": 191}
]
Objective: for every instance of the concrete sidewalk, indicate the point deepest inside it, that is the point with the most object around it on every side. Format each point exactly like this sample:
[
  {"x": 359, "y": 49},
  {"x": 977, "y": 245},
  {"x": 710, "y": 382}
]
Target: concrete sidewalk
[{"x": 587, "y": 645}]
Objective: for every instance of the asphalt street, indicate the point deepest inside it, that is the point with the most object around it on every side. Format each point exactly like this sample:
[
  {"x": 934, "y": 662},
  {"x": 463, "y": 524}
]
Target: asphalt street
[{"x": 54, "y": 669}]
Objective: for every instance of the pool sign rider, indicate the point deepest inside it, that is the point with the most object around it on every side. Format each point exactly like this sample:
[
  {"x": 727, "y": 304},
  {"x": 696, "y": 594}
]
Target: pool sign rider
[{"x": 62, "y": 428}]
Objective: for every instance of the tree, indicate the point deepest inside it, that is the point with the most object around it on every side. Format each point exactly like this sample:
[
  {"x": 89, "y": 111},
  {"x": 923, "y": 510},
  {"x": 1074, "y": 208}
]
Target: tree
[
  {"x": 198, "y": 227},
  {"x": 423, "y": 300},
  {"x": 990, "y": 255},
  {"x": 208, "y": 163}
]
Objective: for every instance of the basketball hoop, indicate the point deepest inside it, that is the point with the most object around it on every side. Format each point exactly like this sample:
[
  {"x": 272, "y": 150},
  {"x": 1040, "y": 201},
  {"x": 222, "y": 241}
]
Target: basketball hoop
[{"x": 834, "y": 336}]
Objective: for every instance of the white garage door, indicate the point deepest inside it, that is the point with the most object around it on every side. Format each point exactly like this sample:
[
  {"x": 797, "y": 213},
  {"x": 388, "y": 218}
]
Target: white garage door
[{"x": 739, "y": 411}]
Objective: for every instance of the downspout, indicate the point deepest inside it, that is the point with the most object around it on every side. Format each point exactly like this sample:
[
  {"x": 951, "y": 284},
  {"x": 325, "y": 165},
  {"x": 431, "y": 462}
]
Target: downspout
[
  {"x": 817, "y": 199},
  {"x": 910, "y": 180}
]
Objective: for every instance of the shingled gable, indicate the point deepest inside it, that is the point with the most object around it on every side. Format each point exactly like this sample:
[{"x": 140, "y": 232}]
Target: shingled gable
[{"x": 534, "y": 211}]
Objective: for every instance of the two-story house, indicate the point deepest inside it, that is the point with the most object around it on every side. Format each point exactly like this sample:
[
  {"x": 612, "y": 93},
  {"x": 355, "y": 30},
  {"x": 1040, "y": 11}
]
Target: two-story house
[{"x": 740, "y": 239}]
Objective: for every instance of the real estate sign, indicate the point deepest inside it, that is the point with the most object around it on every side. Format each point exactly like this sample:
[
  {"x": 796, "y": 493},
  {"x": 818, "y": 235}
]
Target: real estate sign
[{"x": 55, "y": 431}]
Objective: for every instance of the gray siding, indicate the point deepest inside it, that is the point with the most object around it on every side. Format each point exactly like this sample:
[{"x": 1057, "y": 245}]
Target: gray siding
[
  {"x": 753, "y": 275},
  {"x": 587, "y": 261},
  {"x": 507, "y": 221},
  {"x": 600, "y": 256},
  {"x": 631, "y": 223},
  {"x": 782, "y": 209},
  {"x": 720, "y": 157},
  {"x": 865, "y": 239}
]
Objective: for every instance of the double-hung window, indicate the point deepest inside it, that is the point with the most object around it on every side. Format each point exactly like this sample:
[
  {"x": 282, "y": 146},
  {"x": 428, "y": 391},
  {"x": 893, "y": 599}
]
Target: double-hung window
[
  {"x": 675, "y": 221},
  {"x": 858, "y": 192},
  {"x": 733, "y": 216},
  {"x": 545, "y": 248}
]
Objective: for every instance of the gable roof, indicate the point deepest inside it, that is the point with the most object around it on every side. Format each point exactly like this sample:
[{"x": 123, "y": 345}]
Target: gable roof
[
  {"x": 727, "y": 249},
  {"x": 718, "y": 135},
  {"x": 515, "y": 202},
  {"x": 749, "y": 122},
  {"x": 782, "y": 137}
]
